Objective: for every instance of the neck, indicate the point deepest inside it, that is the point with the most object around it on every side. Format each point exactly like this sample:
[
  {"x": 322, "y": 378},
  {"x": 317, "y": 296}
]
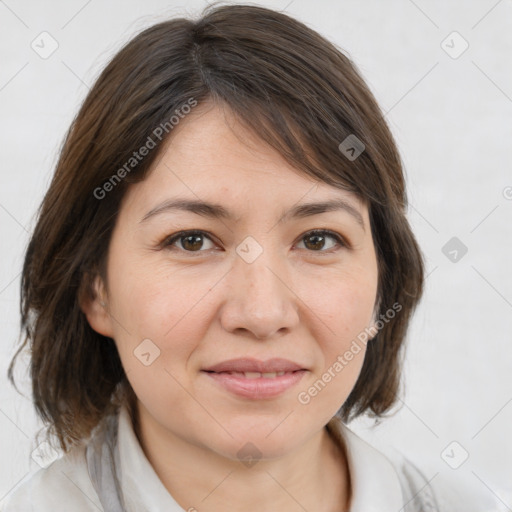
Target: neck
[{"x": 315, "y": 476}]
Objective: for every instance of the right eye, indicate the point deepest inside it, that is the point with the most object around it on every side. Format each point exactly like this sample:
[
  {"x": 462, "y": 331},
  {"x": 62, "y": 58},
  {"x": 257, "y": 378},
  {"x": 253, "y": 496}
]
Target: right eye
[{"x": 190, "y": 241}]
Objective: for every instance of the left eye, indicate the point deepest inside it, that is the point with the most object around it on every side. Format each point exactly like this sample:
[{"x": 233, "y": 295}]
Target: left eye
[
  {"x": 193, "y": 241},
  {"x": 316, "y": 239}
]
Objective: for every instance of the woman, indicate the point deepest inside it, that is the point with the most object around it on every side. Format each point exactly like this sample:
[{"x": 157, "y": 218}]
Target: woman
[{"x": 221, "y": 277}]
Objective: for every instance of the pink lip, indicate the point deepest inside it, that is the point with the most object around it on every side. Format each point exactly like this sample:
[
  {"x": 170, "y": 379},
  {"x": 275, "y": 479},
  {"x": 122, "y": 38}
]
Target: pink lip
[
  {"x": 258, "y": 388},
  {"x": 254, "y": 365}
]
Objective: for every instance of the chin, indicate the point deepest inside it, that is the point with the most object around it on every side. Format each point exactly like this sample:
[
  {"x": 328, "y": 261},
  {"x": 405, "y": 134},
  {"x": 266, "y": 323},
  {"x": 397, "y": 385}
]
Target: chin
[{"x": 270, "y": 437}]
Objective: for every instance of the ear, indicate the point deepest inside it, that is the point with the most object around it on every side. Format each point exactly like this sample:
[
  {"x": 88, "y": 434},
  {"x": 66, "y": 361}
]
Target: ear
[{"x": 94, "y": 304}]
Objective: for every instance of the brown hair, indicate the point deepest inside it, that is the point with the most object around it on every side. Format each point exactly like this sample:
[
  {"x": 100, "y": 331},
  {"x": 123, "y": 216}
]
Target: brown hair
[{"x": 289, "y": 85}]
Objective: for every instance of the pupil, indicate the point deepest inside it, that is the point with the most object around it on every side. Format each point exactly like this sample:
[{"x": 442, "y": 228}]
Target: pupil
[
  {"x": 196, "y": 244},
  {"x": 319, "y": 241}
]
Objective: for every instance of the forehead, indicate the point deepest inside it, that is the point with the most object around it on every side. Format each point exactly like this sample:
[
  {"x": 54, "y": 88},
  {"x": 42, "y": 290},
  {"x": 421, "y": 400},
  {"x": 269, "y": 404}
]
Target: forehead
[
  {"x": 211, "y": 156},
  {"x": 215, "y": 142}
]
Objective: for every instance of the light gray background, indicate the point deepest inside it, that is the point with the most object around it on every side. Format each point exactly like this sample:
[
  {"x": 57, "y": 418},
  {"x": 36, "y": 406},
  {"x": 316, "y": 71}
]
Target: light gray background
[{"x": 452, "y": 121}]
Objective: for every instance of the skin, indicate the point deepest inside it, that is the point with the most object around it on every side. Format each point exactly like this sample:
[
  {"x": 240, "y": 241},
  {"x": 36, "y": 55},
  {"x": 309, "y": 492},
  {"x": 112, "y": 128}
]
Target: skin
[{"x": 299, "y": 300}]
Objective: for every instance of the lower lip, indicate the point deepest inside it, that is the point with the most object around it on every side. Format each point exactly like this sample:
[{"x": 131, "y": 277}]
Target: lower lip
[{"x": 259, "y": 388}]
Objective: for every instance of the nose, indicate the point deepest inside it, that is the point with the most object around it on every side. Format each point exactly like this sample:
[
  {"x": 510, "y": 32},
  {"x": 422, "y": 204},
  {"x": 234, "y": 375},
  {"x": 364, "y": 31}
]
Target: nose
[{"x": 259, "y": 298}]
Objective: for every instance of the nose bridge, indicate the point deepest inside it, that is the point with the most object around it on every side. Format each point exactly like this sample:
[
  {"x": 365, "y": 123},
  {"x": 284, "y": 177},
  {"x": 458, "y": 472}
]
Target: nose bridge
[
  {"x": 259, "y": 278},
  {"x": 259, "y": 299}
]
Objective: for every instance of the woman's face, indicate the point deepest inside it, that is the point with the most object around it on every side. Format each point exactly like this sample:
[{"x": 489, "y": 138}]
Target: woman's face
[{"x": 251, "y": 281}]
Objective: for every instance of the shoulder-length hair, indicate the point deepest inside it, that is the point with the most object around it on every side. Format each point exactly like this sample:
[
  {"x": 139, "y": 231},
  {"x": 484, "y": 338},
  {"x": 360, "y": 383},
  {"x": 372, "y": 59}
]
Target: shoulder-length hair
[{"x": 287, "y": 84}]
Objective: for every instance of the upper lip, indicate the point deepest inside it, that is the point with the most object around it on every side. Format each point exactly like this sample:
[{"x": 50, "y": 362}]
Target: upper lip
[{"x": 254, "y": 365}]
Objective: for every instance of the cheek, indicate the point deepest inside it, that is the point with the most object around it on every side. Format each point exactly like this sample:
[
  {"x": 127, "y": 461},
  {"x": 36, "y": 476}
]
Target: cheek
[
  {"x": 168, "y": 307},
  {"x": 340, "y": 315},
  {"x": 163, "y": 323},
  {"x": 154, "y": 298},
  {"x": 352, "y": 309},
  {"x": 343, "y": 301}
]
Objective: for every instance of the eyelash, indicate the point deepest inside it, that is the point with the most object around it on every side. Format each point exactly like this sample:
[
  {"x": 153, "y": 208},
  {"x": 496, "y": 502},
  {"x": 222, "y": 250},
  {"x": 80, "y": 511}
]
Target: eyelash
[{"x": 169, "y": 241}]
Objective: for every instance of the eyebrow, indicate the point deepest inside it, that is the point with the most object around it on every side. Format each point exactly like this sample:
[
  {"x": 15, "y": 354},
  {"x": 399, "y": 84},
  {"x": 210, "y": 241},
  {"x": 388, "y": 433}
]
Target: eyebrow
[{"x": 217, "y": 211}]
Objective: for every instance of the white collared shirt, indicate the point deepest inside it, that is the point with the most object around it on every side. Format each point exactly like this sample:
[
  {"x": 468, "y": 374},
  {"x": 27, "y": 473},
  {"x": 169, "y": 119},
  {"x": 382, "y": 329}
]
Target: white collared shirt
[{"x": 112, "y": 474}]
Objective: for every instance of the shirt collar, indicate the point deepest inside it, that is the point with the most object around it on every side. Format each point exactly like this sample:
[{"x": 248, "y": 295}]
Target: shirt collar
[
  {"x": 142, "y": 488},
  {"x": 374, "y": 482}
]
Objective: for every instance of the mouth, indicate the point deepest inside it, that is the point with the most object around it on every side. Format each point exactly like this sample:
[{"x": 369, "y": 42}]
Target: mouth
[
  {"x": 255, "y": 375},
  {"x": 256, "y": 385},
  {"x": 249, "y": 365}
]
